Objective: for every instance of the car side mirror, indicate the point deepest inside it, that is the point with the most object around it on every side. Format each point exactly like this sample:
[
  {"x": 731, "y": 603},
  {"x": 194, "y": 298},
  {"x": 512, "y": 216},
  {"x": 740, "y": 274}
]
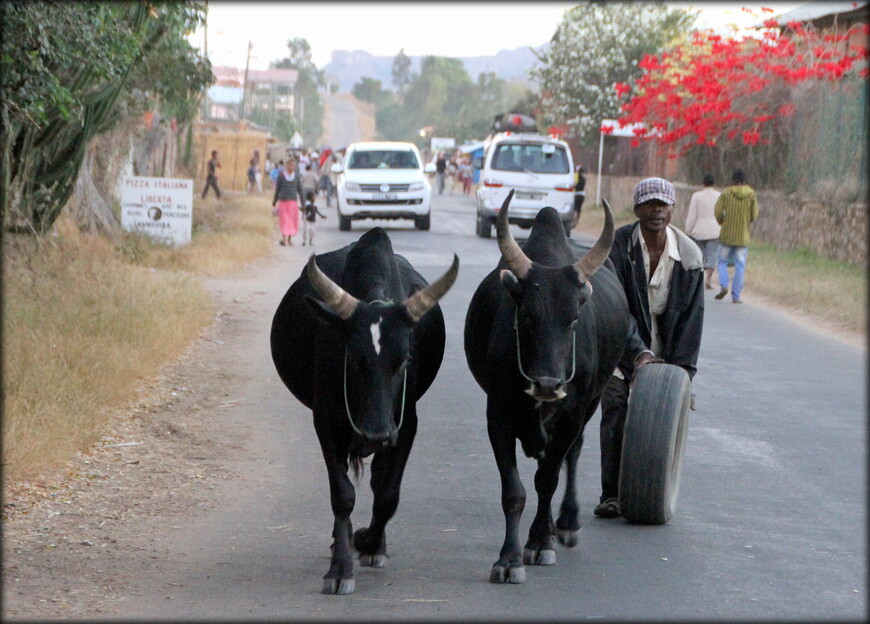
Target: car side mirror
[
  {"x": 336, "y": 168},
  {"x": 429, "y": 168},
  {"x": 477, "y": 163}
]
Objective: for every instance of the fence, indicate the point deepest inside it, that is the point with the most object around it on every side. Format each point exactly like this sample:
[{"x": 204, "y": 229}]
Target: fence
[
  {"x": 235, "y": 144},
  {"x": 833, "y": 228}
]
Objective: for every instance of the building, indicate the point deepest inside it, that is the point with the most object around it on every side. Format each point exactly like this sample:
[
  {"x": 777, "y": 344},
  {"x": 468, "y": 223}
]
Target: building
[{"x": 268, "y": 91}]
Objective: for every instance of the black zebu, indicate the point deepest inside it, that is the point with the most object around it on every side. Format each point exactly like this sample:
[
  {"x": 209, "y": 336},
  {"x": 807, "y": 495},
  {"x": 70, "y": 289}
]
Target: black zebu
[
  {"x": 543, "y": 333},
  {"x": 359, "y": 338}
]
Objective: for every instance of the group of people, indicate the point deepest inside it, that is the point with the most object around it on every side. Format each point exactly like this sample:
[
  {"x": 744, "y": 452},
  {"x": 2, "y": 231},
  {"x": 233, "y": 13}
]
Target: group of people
[
  {"x": 457, "y": 169},
  {"x": 664, "y": 273},
  {"x": 295, "y": 187}
]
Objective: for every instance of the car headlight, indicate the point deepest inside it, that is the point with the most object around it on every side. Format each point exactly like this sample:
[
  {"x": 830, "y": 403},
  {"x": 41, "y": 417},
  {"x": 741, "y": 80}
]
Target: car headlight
[
  {"x": 350, "y": 187},
  {"x": 416, "y": 186}
]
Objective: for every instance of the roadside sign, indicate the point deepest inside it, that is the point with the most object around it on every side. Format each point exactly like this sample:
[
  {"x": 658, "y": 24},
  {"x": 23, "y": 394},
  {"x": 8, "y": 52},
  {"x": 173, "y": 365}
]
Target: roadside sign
[
  {"x": 161, "y": 208},
  {"x": 442, "y": 143}
]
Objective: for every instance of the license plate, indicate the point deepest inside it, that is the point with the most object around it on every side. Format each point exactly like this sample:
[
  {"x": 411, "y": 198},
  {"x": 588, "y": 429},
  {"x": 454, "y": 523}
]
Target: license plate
[
  {"x": 383, "y": 196},
  {"x": 524, "y": 195}
]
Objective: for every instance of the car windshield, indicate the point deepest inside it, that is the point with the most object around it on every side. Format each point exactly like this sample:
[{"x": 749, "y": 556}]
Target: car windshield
[
  {"x": 383, "y": 159},
  {"x": 530, "y": 157}
]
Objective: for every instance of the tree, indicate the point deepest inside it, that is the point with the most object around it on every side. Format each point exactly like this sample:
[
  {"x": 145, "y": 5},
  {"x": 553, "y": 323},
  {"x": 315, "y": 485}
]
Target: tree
[
  {"x": 718, "y": 87},
  {"x": 597, "y": 45},
  {"x": 369, "y": 90},
  {"x": 401, "y": 71},
  {"x": 68, "y": 73},
  {"x": 308, "y": 106}
]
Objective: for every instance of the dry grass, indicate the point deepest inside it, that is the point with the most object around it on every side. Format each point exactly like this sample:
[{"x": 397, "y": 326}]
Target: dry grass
[
  {"x": 86, "y": 324},
  {"x": 830, "y": 293},
  {"x": 226, "y": 235}
]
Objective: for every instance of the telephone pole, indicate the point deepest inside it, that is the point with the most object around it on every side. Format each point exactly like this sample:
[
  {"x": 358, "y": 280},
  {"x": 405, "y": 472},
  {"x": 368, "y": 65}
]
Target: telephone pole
[{"x": 245, "y": 84}]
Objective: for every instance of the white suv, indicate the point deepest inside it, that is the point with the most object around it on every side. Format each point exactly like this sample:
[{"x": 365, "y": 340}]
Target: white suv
[
  {"x": 540, "y": 170},
  {"x": 383, "y": 180}
]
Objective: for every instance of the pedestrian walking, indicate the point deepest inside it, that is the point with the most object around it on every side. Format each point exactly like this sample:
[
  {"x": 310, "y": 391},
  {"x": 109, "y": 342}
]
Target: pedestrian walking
[
  {"x": 258, "y": 176},
  {"x": 211, "y": 177},
  {"x": 735, "y": 210},
  {"x": 579, "y": 195},
  {"x": 702, "y": 226},
  {"x": 661, "y": 271},
  {"x": 309, "y": 181},
  {"x": 465, "y": 174},
  {"x": 285, "y": 202},
  {"x": 440, "y": 171},
  {"x": 309, "y": 215}
]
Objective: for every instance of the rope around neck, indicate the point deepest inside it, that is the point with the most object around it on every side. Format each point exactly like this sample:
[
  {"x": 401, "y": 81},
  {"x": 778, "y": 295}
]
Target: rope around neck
[
  {"x": 344, "y": 384},
  {"x": 520, "y": 361}
]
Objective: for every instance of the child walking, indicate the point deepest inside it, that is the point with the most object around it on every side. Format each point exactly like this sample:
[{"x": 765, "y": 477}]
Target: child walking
[{"x": 310, "y": 212}]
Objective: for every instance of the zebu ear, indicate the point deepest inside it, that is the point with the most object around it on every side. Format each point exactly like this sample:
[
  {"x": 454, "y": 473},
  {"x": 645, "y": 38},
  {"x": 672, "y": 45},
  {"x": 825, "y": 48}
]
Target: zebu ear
[
  {"x": 324, "y": 314},
  {"x": 512, "y": 285}
]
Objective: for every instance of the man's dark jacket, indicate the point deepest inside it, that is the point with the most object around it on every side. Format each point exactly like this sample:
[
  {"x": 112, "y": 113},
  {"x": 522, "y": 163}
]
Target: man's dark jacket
[{"x": 683, "y": 319}]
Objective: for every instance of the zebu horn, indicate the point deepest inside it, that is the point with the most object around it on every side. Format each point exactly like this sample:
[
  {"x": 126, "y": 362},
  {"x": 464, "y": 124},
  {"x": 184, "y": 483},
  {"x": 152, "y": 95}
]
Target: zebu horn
[
  {"x": 518, "y": 262},
  {"x": 595, "y": 257},
  {"x": 424, "y": 300},
  {"x": 338, "y": 299}
]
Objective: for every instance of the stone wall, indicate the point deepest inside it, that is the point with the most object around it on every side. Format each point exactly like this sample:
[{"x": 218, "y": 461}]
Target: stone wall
[{"x": 833, "y": 229}]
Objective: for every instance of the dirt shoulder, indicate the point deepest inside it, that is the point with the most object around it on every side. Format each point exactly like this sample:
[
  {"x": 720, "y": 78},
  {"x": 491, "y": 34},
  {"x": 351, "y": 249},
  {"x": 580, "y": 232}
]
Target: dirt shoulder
[{"x": 72, "y": 541}]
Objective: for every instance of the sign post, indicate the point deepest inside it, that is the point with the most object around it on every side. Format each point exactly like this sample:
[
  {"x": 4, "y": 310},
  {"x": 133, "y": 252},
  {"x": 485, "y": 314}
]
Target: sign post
[
  {"x": 161, "y": 208},
  {"x": 612, "y": 128}
]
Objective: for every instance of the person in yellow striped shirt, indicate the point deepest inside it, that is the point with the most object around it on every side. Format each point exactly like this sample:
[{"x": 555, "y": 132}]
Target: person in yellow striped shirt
[{"x": 736, "y": 209}]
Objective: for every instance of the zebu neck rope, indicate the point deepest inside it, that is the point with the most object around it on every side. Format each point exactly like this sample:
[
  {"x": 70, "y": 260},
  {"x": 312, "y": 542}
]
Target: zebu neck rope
[
  {"x": 520, "y": 361},
  {"x": 344, "y": 383}
]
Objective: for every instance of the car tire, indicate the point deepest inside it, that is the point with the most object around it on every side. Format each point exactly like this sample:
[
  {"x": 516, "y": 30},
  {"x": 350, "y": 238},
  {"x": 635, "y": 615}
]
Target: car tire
[
  {"x": 484, "y": 227},
  {"x": 424, "y": 222},
  {"x": 654, "y": 439},
  {"x": 343, "y": 223}
]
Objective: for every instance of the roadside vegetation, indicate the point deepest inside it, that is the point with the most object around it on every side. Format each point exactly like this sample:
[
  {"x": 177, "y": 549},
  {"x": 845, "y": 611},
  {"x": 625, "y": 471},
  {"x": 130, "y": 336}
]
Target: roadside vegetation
[
  {"x": 87, "y": 322},
  {"x": 828, "y": 293}
]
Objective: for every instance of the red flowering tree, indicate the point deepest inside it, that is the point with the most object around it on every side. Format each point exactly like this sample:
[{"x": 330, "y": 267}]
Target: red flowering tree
[{"x": 717, "y": 91}]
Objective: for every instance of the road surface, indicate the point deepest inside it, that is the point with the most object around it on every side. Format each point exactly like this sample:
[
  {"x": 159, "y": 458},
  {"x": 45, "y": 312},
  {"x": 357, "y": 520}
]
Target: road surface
[{"x": 770, "y": 523}]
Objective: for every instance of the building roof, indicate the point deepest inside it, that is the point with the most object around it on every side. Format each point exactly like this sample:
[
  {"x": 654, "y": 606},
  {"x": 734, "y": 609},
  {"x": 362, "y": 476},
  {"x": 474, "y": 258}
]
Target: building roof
[
  {"x": 234, "y": 77},
  {"x": 812, "y": 11}
]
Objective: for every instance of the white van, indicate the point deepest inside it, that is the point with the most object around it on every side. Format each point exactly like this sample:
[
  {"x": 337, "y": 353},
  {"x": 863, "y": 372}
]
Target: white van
[
  {"x": 539, "y": 168},
  {"x": 383, "y": 180}
]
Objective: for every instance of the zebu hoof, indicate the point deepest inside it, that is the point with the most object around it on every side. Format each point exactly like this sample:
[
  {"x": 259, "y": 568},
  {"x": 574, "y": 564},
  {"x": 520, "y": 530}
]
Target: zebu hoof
[
  {"x": 539, "y": 557},
  {"x": 374, "y": 561},
  {"x": 513, "y": 573},
  {"x": 567, "y": 538},
  {"x": 342, "y": 587}
]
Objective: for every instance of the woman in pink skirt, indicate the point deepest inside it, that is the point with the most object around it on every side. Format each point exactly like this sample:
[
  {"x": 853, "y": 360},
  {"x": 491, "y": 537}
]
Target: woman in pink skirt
[{"x": 288, "y": 194}]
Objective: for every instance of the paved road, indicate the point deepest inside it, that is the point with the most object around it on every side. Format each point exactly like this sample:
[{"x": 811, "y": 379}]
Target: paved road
[
  {"x": 341, "y": 121},
  {"x": 771, "y": 521}
]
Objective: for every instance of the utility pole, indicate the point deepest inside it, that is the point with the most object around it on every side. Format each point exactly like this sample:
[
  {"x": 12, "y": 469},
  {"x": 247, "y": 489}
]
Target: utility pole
[
  {"x": 245, "y": 84},
  {"x": 205, "y": 104}
]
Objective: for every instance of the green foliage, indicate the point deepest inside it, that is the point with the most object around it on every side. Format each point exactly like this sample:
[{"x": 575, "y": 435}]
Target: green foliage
[
  {"x": 69, "y": 71},
  {"x": 445, "y": 97},
  {"x": 597, "y": 45},
  {"x": 308, "y": 105},
  {"x": 401, "y": 71},
  {"x": 369, "y": 90}
]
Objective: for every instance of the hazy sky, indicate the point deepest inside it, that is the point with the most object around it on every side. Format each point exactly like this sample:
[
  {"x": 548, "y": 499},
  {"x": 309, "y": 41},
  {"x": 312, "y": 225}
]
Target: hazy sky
[{"x": 422, "y": 28}]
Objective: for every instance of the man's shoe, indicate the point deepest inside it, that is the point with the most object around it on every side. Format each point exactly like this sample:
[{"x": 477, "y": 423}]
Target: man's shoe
[
  {"x": 722, "y": 293},
  {"x": 736, "y": 301},
  {"x": 608, "y": 509}
]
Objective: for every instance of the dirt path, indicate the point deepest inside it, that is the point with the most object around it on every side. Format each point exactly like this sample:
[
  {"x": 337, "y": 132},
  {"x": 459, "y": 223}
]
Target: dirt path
[{"x": 73, "y": 542}]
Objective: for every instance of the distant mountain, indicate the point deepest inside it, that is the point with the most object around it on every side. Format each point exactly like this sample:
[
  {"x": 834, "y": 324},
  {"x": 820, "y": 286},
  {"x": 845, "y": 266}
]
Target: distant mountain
[{"x": 348, "y": 68}]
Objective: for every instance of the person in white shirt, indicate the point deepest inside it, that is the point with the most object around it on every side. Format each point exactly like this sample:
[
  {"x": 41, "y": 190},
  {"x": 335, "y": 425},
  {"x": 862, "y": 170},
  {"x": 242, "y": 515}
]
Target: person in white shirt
[{"x": 702, "y": 226}]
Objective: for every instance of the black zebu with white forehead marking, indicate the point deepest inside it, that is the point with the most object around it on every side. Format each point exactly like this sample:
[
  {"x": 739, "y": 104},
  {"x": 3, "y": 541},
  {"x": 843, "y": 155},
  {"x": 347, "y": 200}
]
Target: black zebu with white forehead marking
[
  {"x": 543, "y": 333},
  {"x": 359, "y": 338}
]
